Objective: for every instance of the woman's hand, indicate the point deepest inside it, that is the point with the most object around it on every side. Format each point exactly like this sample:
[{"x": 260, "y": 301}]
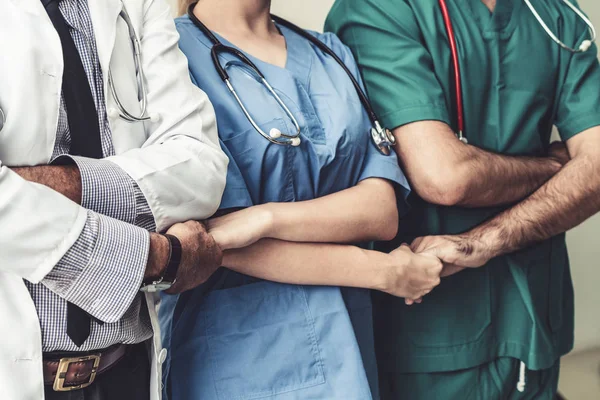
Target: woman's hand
[
  {"x": 242, "y": 228},
  {"x": 412, "y": 276}
]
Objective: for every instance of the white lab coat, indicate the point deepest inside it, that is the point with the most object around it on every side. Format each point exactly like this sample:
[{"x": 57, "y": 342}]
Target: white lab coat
[{"x": 176, "y": 161}]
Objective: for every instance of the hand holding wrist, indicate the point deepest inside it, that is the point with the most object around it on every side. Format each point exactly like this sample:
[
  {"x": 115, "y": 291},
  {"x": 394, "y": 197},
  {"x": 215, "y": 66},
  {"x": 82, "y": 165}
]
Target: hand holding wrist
[
  {"x": 409, "y": 275},
  {"x": 200, "y": 255},
  {"x": 242, "y": 228}
]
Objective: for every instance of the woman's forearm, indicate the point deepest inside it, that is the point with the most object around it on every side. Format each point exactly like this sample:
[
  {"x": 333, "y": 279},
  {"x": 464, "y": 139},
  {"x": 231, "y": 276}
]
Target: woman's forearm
[
  {"x": 364, "y": 212},
  {"x": 310, "y": 263},
  {"x": 400, "y": 273}
]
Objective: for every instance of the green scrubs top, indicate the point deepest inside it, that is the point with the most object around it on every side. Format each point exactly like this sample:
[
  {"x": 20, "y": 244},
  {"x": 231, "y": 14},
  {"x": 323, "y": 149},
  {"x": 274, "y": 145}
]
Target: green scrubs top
[{"x": 517, "y": 84}]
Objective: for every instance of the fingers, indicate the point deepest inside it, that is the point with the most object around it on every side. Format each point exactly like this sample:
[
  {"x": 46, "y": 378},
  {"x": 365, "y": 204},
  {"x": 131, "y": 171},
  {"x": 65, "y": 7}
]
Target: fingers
[
  {"x": 451, "y": 269},
  {"x": 416, "y": 244}
]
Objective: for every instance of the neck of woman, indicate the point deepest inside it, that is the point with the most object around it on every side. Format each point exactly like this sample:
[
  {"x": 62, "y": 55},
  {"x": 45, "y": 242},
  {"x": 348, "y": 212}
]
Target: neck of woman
[{"x": 237, "y": 17}]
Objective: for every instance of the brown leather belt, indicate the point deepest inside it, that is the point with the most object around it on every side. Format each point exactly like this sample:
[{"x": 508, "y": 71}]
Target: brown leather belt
[{"x": 79, "y": 371}]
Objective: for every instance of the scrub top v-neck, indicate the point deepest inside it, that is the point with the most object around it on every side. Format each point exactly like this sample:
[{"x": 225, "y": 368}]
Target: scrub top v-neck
[
  {"x": 517, "y": 84},
  {"x": 281, "y": 340}
]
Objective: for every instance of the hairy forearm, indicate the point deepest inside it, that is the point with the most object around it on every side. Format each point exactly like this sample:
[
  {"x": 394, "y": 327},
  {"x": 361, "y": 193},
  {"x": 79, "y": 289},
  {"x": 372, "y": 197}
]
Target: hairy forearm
[
  {"x": 494, "y": 179},
  {"x": 365, "y": 212},
  {"x": 309, "y": 263},
  {"x": 565, "y": 201},
  {"x": 64, "y": 179},
  {"x": 444, "y": 171}
]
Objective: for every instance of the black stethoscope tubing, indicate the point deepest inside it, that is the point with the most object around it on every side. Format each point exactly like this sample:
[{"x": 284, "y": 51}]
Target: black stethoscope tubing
[{"x": 219, "y": 47}]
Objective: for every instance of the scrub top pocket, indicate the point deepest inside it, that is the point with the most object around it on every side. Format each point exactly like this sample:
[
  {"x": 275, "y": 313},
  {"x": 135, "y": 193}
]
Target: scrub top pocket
[
  {"x": 470, "y": 313},
  {"x": 261, "y": 341}
]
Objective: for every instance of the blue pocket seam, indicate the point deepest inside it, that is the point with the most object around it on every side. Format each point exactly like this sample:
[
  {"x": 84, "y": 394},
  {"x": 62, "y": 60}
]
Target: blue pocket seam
[
  {"x": 311, "y": 334},
  {"x": 319, "y": 378}
]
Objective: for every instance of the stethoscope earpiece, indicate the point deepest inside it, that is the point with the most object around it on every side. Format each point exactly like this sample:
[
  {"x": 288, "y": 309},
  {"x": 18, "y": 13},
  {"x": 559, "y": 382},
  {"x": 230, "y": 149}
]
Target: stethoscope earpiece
[
  {"x": 154, "y": 117},
  {"x": 585, "y": 45},
  {"x": 295, "y": 142},
  {"x": 275, "y": 133}
]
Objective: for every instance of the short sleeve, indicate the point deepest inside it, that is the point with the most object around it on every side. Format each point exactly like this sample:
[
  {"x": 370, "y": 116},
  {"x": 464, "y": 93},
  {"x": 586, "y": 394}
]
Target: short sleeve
[
  {"x": 396, "y": 66},
  {"x": 578, "y": 106},
  {"x": 375, "y": 165}
]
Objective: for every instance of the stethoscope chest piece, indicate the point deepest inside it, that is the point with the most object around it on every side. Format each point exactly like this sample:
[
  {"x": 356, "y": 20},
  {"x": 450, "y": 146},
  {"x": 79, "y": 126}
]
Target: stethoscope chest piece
[{"x": 383, "y": 139}]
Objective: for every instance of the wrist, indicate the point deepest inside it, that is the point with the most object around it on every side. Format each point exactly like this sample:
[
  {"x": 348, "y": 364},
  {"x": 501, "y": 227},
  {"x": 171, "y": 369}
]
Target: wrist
[
  {"x": 272, "y": 219},
  {"x": 486, "y": 241},
  {"x": 158, "y": 257},
  {"x": 382, "y": 270}
]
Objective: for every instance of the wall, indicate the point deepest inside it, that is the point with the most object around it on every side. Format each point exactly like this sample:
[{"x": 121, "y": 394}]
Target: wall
[{"x": 584, "y": 241}]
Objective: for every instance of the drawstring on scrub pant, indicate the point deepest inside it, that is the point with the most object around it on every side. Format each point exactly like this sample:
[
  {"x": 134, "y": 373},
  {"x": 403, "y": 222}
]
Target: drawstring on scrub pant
[{"x": 521, "y": 383}]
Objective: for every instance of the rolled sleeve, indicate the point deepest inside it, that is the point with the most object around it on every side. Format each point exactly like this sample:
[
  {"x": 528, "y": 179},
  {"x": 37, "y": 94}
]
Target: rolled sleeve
[
  {"x": 396, "y": 66},
  {"x": 110, "y": 191},
  {"x": 103, "y": 271}
]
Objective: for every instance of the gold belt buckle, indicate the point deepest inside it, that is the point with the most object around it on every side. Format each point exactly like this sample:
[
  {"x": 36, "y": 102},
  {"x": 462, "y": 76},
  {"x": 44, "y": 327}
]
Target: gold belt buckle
[{"x": 63, "y": 367}]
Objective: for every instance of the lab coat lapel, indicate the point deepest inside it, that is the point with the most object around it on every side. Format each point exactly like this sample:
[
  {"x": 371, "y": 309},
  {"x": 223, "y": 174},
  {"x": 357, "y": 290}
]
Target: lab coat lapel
[{"x": 104, "y": 18}]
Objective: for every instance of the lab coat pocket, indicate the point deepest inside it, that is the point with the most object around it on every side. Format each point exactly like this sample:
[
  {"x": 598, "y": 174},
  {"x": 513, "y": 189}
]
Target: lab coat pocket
[{"x": 261, "y": 341}]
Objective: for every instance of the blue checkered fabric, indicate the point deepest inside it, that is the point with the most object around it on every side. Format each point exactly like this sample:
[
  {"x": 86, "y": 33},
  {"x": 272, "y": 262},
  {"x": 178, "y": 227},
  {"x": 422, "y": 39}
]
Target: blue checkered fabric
[{"x": 103, "y": 270}]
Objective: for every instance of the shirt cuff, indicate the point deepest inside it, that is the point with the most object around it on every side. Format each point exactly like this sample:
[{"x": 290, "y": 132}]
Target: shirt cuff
[
  {"x": 108, "y": 190},
  {"x": 415, "y": 113},
  {"x": 577, "y": 124},
  {"x": 103, "y": 271}
]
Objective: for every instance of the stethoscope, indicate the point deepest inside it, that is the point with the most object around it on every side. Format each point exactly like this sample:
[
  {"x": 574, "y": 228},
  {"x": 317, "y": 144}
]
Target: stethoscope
[
  {"x": 585, "y": 45},
  {"x": 121, "y": 111},
  {"x": 381, "y": 137}
]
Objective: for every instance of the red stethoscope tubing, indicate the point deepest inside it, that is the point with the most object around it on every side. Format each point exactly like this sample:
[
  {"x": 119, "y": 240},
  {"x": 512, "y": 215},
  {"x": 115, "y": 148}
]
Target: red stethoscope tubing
[{"x": 456, "y": 64}]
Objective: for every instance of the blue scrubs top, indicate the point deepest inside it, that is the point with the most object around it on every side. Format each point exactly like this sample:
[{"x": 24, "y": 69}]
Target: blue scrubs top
[{"x": 238, "y": 337}]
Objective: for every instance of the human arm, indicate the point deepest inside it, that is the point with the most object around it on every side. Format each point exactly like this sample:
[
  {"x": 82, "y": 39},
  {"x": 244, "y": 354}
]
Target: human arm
[
  {"x": 103, "y": 271},
  {"x": 97, "y": 185},
  {"x": 365, "y": 212},
  {"x": 177, "y": 153},
  {"x": 401, "y": 77},
  {"x": 443, "y": 170},
  {"x": 400, "y": 273},
  {"x": 565, "y": 201},
  {"x": 50, "y": 240},
  {"x": 179, "y": 167}
]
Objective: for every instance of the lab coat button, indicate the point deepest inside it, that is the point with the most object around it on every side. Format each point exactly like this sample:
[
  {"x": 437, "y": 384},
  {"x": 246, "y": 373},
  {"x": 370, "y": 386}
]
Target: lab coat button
[{"x": 162, "y": 356}]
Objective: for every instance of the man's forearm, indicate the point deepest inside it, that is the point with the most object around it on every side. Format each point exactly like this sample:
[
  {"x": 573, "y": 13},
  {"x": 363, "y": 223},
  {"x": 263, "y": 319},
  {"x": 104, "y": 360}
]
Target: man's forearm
[
  {"x": 565, "y": 201},
  {"x": 444, "y": 171},
  {"x": 309, "y": 263},
  {"x": 497, "y": 179},
  {"x": 64, "y": 179}
]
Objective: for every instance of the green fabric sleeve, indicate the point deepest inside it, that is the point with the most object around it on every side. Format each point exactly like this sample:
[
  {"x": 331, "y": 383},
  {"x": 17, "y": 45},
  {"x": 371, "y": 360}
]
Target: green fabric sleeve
[
  {"x": 578, "y": 106},
  {"x": 396, "y": 67}
]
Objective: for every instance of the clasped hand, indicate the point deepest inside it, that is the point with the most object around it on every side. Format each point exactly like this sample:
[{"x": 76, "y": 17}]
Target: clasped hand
[{"x": 456, "y": 252}]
